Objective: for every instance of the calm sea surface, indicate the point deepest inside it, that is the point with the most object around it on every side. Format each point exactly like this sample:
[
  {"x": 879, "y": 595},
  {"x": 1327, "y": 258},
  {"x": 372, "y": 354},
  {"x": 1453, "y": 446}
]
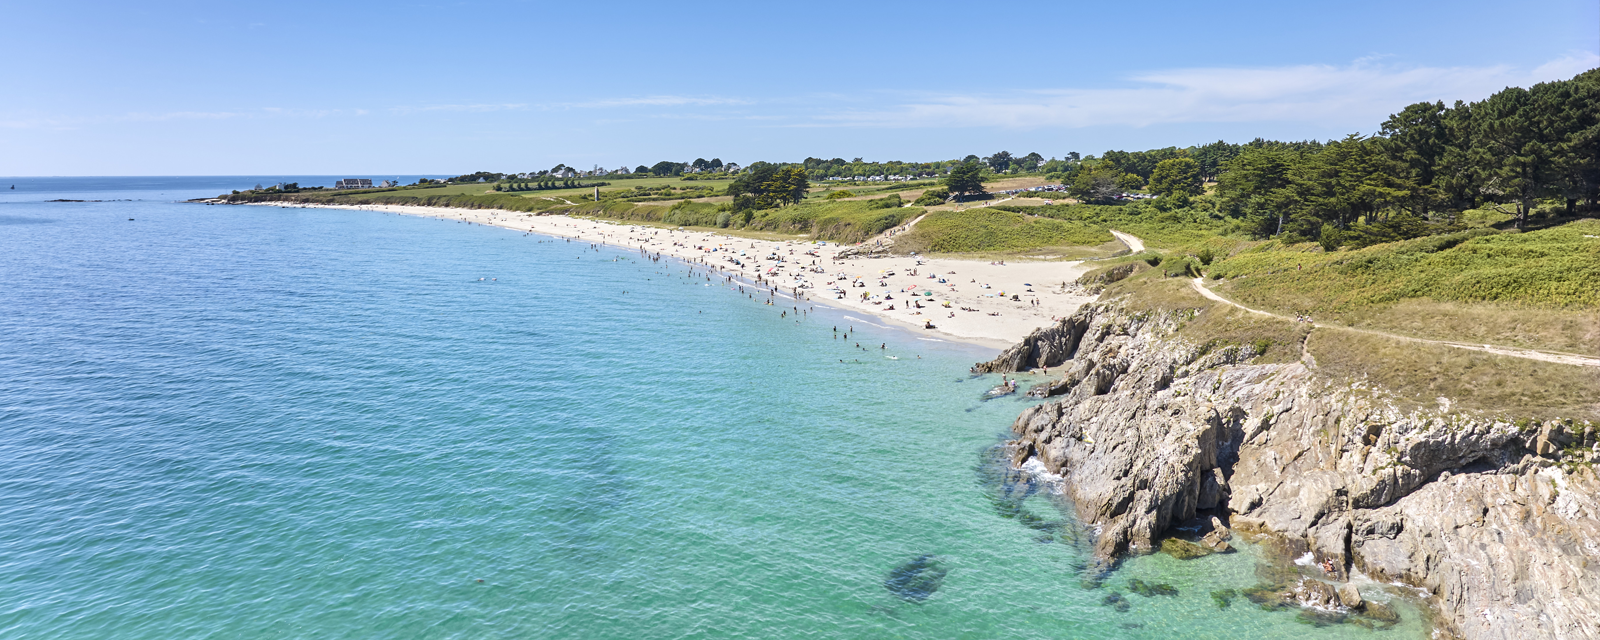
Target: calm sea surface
[{"x": 252, "y": 422}]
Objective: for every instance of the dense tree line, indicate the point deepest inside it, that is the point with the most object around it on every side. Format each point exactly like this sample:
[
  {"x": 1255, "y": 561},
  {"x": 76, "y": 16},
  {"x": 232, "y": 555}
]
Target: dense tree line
[
  {"x": 1003, "y": 161},
  {"x": 713, "y": 165},
  {"x": 485, "y": 176},
  {"x": 820, "y": 169},
  {"x": 1511, "y": 151},
  {"x": 546, "y": 183},
  {"x": 768, "y": 186}
]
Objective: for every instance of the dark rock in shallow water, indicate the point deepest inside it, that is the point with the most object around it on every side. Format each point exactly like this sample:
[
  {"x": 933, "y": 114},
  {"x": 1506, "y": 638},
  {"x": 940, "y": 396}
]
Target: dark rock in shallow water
[
  {"x": 1116, "y": 601},
  {"x": 1319, "y": 618},
  {"x": 1183, "y": 549},
  {"x": 1150, "y": 590},
  {"x": 1274, "y": 574},
  {"x": 1267, "y": 595},
  {"x": 1224, "y": 598},
  {"x": 1381, "y": 612},
  {"x": 914, "y": 581}
]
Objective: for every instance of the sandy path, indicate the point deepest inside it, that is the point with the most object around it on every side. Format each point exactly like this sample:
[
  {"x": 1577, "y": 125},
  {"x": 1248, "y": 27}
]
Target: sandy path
[
  {"x": 1134, "y": 245},
  {"x": 1034, "y": 292},
  {"x": 1527, "y": 354}
]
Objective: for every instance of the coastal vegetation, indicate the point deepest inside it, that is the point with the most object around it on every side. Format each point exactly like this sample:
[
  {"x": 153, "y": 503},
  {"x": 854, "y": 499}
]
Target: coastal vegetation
[
  {"x": 987, "y": 230},
  {"x": 768, "y": 186},
  {"x": 965, "y": 180},
  {"x": 1558, "y": 267},
  {"x": 1480, "y": 210},
  {"x": 546, "y": 184}
]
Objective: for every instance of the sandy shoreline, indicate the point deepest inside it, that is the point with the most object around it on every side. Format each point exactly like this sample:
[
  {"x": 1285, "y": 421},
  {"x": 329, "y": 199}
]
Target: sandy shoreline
[{"x": 966, "y": 305}]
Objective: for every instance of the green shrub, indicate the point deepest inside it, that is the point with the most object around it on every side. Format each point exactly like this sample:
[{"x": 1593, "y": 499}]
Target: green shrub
[
  {"x": 891, "y": 201},
  {"x": 932, "y": 197},
  {"x": 1174, "y": 266},
  {"x": 1331, "y": 238},
  {"x": 838, "y": 195}
]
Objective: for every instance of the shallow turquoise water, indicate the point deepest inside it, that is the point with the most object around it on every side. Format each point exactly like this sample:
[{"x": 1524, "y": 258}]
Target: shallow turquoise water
[{"x": 245, "y": 422}]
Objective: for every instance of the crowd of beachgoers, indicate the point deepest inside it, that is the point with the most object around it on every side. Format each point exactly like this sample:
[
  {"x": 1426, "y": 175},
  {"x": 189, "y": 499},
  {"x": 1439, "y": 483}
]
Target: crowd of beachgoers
[{"x": 994, "y": 303}]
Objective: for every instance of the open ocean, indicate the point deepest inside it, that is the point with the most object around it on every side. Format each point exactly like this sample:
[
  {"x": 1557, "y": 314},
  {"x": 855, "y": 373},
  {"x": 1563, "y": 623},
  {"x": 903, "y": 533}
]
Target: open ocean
[{"x": 258, "y": 422}]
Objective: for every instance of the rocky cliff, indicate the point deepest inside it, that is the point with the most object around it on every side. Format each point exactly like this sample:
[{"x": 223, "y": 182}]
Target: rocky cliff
[{"x": 1497, "y": 520}]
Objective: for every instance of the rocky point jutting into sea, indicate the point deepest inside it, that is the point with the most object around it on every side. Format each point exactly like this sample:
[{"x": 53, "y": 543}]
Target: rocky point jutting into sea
[{"x": 1497, "y": 521}]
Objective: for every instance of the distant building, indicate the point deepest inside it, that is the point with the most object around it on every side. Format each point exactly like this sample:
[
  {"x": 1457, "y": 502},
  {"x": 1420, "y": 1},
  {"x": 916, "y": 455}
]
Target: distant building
[
  {"x": 353, "y": 183},
  {"x": 731, "y": 167}
]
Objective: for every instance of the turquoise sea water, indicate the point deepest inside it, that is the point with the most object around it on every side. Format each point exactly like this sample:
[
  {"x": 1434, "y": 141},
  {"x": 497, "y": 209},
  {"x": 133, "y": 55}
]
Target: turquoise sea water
[{"x": 249, "y": 422}]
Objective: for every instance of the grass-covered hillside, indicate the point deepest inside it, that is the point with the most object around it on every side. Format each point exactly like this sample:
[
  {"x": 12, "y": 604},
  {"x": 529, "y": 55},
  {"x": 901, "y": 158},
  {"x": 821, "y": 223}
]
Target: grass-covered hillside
[
  {"x": 1537, "y": 289},
  {"x": 1553, "y": 268},
  {"x": 1410, "y": 374},
  {"x": 995, "y": 231}
]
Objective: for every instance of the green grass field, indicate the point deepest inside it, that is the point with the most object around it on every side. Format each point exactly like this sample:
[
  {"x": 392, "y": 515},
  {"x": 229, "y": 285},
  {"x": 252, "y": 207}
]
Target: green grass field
[{"x": 989, "y": 230}]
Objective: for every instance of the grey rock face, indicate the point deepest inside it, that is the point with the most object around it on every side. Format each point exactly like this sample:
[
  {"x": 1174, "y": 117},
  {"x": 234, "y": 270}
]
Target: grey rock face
[
  {"x": 1047, "y": 346},
  {"x": 1508, "y": 555},
  {"x": 1150, "y": 430}
]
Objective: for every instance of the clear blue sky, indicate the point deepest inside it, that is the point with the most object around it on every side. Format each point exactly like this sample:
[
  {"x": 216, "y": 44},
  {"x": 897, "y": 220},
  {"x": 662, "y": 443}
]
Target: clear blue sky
[{"x": 205, "y": 88}]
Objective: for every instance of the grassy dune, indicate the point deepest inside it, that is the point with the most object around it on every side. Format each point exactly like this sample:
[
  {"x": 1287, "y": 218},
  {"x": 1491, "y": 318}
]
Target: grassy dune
[
  {"x": 992, "y": 230},
  {"x": 846, "y": 221},
  {"x": 1174, "y": 229}
]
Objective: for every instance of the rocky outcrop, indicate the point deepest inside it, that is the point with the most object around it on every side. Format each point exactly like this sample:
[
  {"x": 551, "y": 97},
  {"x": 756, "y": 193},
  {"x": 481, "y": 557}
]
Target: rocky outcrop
[
  {"x": 1507, "y": 555},
  {"x": 1047, "y": 346},
  {"x": 1498, "y": 520}
]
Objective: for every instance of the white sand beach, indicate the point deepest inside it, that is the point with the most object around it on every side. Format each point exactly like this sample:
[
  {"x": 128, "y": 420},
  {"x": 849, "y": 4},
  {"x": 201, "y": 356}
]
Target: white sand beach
[{"x": 989, "y": 303}]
